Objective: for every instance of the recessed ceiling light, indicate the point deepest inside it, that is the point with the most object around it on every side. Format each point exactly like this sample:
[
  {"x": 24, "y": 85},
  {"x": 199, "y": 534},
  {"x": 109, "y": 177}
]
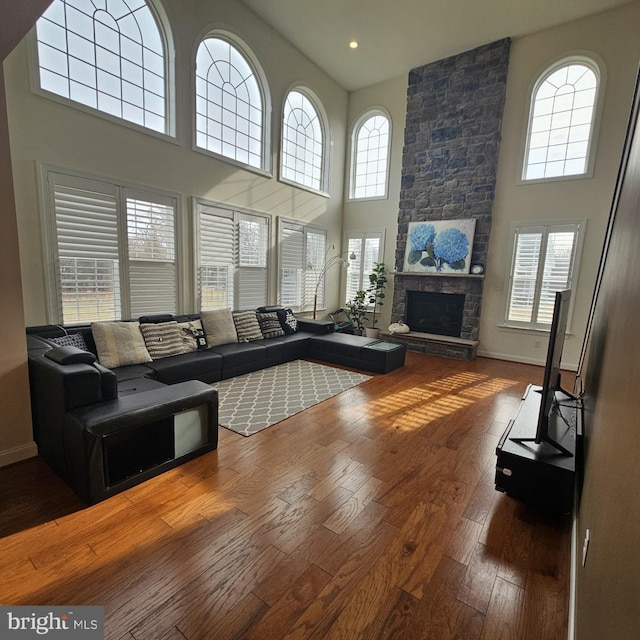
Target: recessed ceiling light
[{"x": 354, "y": 44}]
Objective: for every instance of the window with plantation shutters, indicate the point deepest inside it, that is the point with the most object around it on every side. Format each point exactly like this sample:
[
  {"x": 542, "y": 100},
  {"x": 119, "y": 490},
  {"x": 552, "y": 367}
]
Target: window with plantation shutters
[
  {"x": 231, "y": 251},
  {"x": 151, "y": 245},
  {"x": 114, "y": 249},
  {"x": 302, "y": 251},
  {"x": 364, "y": 249},
  {"x": 88, "y": 258},
  {"x": 544, "y": 261}
]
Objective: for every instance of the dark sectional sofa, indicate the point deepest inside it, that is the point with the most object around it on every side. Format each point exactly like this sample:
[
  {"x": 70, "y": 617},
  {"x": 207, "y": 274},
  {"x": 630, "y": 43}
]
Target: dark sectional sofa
[{"x": 105, "y": 430}]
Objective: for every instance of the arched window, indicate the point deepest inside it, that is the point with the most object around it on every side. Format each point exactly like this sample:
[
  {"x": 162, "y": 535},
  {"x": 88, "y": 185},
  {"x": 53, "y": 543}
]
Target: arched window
[
  {"x": 370, "y": 156},
  {"x": 303, "y": 142},
  {"x": 110, "y": 55},
  {"x": 561, "y": 121},
  {"x": 230, "y": 104}
]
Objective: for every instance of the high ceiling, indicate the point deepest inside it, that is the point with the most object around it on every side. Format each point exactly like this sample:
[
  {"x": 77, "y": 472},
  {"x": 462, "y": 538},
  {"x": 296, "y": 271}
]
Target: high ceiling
[{"x": 398, "y": 35}]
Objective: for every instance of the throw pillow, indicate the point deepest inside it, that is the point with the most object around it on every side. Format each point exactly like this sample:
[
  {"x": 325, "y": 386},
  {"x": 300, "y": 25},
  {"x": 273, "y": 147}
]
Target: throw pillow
[
  {"x": 71, "y": 340},
  {"x": 192, "y": 335},
  {"x": 119, "y": 344},
  {"x": 162, "y": 339},
  {"x": 247, "y": 326},
  {"x": 288, "y": 321},
  {"x": 219, "y": 327},
  {"x": 270, "y": 325}
]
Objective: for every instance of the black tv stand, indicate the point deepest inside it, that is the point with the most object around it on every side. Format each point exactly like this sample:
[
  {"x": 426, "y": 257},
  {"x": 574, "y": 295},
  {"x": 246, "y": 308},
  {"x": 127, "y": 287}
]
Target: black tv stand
[
  {"x": 539, "y": 473},
  {"x": 554, "y": 409}
]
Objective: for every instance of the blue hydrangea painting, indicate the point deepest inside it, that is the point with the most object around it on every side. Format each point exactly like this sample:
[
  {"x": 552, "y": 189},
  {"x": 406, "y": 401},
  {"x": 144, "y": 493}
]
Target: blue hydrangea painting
[{"x": 440, "y": 247}]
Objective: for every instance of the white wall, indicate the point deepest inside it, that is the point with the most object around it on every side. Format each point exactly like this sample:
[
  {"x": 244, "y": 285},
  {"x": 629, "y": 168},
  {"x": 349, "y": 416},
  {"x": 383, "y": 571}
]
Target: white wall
[
  {"x": 44, "y": 131},
  {"x": 613, "y": 37},
  {"x": 380, "y": 214}
]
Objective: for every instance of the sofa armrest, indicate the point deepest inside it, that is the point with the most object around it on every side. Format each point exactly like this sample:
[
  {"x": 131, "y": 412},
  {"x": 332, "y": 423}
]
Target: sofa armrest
[{"x": 315, "y": 326}]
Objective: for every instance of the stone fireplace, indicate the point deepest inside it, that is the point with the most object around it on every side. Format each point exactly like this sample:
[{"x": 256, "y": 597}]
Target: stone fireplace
[
  {"x": 437, "y": 313},
  {"x": 449, "y": 165}
]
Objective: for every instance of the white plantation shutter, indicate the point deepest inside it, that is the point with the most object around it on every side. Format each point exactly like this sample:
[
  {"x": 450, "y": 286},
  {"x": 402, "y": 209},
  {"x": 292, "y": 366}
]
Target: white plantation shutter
[
  {"x": 367, "y": 249},
  {"x": 151, "y": 243},
  {"x": 301, "y": 252},
  {"x": 543, "y": 262},
  {"x": 291, "y": 258},
  {"x": 315, "y": 249},
  {"x": 232, "y": 258},
  {"x": 86, "y": 227},
  {"x": 558, "y": 266},
  {"x": 253, "y": 233},
  {"x": 215, "y": 236}
]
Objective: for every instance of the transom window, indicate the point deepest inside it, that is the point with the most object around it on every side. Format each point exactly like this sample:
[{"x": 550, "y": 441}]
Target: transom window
[
  {"x": 544, "y": 260},
  {"x": 370, "y": 156},
  {"x": 561, "y": 122},
  {"x": 229, "y": 103},
  {"x": 302, "y": 142},
  {"x": 109, "y": 55}
]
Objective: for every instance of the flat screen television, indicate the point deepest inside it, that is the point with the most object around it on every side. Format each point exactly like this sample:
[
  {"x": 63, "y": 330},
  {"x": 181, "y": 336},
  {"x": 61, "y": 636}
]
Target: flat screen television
[{"x": 551, "y": 379}]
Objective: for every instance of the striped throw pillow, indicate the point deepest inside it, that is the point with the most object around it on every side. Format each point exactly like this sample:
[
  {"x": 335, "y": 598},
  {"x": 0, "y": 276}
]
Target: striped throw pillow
[
  {"x": 247, "y": 326},
  {"x": 270, "y": 325},
  {"x": 162, "y": 339}
]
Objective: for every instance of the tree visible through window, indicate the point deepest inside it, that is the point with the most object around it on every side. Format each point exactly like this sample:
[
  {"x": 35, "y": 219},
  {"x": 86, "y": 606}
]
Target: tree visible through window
[
  {"x": 561, "y": 122},
  {"x": 108, "y": 55}
]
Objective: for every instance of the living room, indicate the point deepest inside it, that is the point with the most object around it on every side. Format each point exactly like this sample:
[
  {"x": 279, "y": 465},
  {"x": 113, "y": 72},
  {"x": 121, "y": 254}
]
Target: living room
[{"x": 48, "y": 135}]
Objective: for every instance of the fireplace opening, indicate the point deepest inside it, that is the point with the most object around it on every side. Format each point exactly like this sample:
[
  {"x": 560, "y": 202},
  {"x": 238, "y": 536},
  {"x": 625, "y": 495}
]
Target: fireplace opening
[{"x": 438, "y": 313}]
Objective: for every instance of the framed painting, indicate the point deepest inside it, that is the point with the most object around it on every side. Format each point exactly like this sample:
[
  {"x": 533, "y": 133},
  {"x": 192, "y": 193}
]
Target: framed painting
[{"x": 440, "y": 247}]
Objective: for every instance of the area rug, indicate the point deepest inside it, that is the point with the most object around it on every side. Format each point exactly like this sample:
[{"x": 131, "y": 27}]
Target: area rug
[{"x": 255, "y": 401}]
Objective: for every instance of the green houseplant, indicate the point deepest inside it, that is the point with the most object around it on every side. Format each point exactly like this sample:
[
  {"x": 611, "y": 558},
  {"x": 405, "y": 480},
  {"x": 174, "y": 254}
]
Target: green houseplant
[
  {"x": 357, "y": 310},
  {"x": 375, "y": 293}
]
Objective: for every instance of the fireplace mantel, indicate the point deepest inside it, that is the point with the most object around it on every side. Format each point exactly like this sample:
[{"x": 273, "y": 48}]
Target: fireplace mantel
[{"x": 420, "y": 274}]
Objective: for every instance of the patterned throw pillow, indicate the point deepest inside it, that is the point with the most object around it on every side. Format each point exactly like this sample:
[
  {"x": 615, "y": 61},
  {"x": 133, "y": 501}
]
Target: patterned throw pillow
[
  {"x": 192, "y": 335},
  {"x": 288, "y": 321},
  {"x": 71, "y": 340},
  {"x": 162, "y": 339},
  {"x": 247, "y": 326},
  {"x": 119, "y": 344},
  {"x": 270, "y": 325},
  {"x": 219, "y": 327}
]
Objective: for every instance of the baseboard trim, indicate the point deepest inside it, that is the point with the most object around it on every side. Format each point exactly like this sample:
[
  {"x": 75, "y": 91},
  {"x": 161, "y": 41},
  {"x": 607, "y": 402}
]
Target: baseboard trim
[
  {"x": 573, "y": 572},
  {"x": 569, "y": 366},
  {"x": 17, "y": 454}
]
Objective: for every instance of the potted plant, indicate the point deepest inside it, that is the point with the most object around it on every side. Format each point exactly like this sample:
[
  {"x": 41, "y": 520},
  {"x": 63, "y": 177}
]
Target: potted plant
[
  {"x": 377, "y": 283},
  {"x": 357, "y": 310}
]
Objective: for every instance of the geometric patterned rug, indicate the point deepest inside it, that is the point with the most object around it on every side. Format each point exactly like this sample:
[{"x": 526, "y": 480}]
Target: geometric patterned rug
[{"x": 257, "y": 400}]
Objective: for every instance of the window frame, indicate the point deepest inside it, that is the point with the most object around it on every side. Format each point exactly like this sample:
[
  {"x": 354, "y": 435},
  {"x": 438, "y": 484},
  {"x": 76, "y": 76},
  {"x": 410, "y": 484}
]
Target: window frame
[
  {"x": 323, "y": 121},
  {"x": 123, "y": 191},
  {"x": 265, "y": 168},
  {"x": 235, "y": 215},
  {"x": 546, "y": 227},
  {"x": 170, "y": 133},
  {"x": 357, "y": 127},
  {"x": 362, "y": 277},
  {"x": 596, "y": 64}
]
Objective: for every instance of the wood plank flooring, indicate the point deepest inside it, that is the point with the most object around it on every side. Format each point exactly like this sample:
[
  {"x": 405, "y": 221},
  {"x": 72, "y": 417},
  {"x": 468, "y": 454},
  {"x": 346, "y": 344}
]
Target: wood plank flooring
[{"x": 370, "y": 515}]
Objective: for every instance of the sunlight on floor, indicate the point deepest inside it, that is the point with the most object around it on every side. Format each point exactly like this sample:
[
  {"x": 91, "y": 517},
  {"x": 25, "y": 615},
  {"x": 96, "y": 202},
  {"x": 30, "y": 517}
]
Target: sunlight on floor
[{"x": 413, "y": 408}]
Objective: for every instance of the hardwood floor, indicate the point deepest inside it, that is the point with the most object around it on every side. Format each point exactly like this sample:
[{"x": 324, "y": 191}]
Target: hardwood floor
[{"x": 370, "y": 515}]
